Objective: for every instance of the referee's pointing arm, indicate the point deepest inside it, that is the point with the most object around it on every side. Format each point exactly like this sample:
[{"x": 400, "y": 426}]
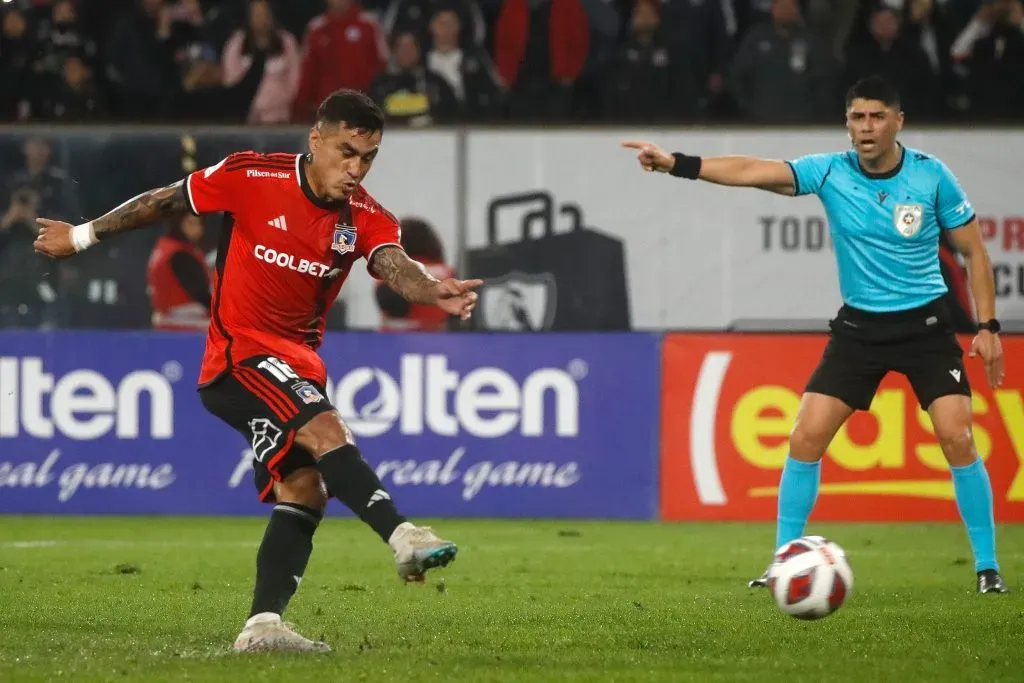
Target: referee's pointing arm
[{"x": 737, "y": 171}]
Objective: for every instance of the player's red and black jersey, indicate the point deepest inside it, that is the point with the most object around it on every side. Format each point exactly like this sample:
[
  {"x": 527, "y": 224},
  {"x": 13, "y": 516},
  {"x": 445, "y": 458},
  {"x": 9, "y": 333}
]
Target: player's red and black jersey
[{"x": 283, "y": 257}]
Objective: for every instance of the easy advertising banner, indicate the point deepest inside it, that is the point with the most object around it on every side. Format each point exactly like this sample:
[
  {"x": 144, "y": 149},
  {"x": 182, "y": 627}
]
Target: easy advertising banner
[
  {"x": 730, "y": 402},
  {"x": 455, "y": 425}
]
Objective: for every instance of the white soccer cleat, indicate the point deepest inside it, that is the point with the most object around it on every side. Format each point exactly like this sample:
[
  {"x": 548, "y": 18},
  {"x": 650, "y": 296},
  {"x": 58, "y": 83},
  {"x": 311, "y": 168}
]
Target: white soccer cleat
[
  {"x": 267, "y": 633},
  {"x": 417, "y": 549}
]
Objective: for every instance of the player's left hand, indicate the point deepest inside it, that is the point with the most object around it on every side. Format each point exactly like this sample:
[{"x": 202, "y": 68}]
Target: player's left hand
[
  {"x": 456, "y": 296},
  {"x": 988, "y": 346}
]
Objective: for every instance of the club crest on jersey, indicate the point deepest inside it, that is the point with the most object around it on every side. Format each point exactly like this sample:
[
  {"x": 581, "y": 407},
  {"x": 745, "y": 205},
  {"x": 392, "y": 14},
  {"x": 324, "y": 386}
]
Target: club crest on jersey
[
  {"x": 907, "y": 218},
  {"x": 344, "y": 239},
  {"x": 308, "y": 393}
]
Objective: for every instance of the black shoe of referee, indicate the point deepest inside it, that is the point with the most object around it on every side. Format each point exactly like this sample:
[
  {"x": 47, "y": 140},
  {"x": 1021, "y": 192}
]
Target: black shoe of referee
[
  {"x": 759, "y": 582},
  {"x": 989, "y": 581}
]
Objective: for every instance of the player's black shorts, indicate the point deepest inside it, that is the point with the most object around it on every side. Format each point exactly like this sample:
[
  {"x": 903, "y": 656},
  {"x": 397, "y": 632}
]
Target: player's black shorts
[
  {"x": 267, "y": 402},
  {"x": 863, "y": 347}
]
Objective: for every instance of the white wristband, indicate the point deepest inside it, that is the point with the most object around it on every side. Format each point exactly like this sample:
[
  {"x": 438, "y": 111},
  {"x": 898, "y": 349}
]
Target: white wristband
[{"x": 83, "y": 236}]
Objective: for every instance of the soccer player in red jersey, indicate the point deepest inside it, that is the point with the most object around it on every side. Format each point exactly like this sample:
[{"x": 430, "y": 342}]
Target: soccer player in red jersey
[{"x": 295, "y": 227}]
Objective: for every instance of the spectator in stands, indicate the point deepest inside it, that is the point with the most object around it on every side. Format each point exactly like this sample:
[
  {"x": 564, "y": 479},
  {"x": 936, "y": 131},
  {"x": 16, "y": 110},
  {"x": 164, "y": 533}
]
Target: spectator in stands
[
  {"x": 900, "y": 60},
  {"x": 273, "y": 53},
  {"x": 207, "y": 22},
  {"x": 56, "y": 194},
  {"x": 749, "y": 13},
  {"x": 833, "y": 20},
  {"x": 60, "y": 37},
  {"x": 178, "y": 278},
  {"x": 606, "y": 21},
  {"x": 187, "y": 13},
  {"x": 295, "y": 17},
  {"x": 927, "y": 23},
  {"x": 652, "y": 77},
  {"x": 343, "y": 48},
  {"x": 705, "y": 31},
  {"x": 541, "y": 48},
  {"x": 141, "y": 61},
  {"x": 75, "y": 97},
  {"x": 17, "y": 55},
  {"x": 202, "y": 94},
  {"x": 189, "y": 37},
  {"x": 415, "y": 16},
  {"x": 422, "y": 243},
  {"x": 995, "y": 61},
  {"x": 782, "y": 73},
  {"x": 468, "y": 70},
  {"x": 25, "y": 291},
  {"x": 410, "y": 93}
]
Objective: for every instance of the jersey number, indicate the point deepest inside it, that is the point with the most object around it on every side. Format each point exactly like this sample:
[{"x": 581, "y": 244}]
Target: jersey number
[{"x": 281, "y": 371}]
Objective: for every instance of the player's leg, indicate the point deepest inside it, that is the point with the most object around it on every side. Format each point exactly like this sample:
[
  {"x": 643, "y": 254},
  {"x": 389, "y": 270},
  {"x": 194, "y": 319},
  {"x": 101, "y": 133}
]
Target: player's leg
[
  {"x": 350, "y": 479},
  {"x": 936, "y": 372},
  {"x": 299, "y": 503},
  {"x": 845, "y": 380},
  {"x": 295, "y": 487}
]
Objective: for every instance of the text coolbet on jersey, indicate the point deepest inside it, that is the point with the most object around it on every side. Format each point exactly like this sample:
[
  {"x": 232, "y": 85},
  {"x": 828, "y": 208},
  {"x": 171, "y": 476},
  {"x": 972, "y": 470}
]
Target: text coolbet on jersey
[{"x": 283, "y": 257}]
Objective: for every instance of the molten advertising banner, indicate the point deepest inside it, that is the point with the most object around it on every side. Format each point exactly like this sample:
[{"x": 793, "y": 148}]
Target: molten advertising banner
[{"x": 730, "y": 401}]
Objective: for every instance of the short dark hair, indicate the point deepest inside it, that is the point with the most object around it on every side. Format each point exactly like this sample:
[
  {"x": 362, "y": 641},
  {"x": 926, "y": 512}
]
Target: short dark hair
[
  {"x": 874, "y": 88},
  {"x": 351, "y": 109}
]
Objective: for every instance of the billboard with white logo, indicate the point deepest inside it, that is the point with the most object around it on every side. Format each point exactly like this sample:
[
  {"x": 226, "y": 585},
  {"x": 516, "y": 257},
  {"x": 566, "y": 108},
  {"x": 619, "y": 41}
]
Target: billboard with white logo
[{"x": 455, "y": 425}]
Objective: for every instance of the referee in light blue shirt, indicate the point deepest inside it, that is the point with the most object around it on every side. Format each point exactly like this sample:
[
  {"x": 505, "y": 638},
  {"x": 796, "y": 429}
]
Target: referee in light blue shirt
[{"x": 886, "y": 205}]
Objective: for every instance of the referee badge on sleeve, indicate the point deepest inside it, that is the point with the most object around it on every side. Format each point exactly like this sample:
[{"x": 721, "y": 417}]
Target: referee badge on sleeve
[{"x": 907, "y": 219}]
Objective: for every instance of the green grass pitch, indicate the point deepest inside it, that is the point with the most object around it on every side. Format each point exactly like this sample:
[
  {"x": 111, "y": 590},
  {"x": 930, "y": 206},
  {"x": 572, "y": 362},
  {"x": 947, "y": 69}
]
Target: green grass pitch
[{"x": 111, "y": 599}]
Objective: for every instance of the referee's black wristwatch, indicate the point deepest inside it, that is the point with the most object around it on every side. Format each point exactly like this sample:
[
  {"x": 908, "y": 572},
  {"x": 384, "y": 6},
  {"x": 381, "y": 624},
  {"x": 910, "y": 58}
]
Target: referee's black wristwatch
[{"x": 992, "y": 326}]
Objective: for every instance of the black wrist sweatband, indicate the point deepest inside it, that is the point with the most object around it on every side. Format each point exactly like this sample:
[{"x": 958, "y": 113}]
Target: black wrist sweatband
[{"x": 685, "y": 166}]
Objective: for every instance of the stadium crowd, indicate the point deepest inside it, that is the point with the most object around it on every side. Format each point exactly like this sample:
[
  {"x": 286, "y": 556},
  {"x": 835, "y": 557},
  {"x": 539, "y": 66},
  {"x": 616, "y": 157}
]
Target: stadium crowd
[
  {"x": 449, "y": 61},
  {"x": 425, "y": 61}
]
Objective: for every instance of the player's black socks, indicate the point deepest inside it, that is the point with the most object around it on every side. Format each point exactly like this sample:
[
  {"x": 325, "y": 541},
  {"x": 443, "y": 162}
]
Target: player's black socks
[
  {"x": 283, "y": 555},
  {"x": 351, "y": 480}
]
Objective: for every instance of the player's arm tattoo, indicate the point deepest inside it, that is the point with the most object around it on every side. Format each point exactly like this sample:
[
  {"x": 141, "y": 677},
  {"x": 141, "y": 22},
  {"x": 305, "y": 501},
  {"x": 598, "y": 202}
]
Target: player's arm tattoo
[
  {"x": 407, "y": 277},
  {"x": 163, "y": 202}
]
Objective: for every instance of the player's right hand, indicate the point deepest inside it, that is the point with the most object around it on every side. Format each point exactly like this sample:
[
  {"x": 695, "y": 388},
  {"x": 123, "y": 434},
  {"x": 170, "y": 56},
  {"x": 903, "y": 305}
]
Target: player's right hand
[
  {"x": 651, "y": 157},
  {"x": 54, "y": 239}
]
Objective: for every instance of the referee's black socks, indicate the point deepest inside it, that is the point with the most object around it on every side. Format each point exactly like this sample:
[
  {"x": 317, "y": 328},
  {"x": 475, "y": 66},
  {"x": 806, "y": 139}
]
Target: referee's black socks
[
  {"x": 283, "y": 556},
  {"x": 351, "y": 480}
]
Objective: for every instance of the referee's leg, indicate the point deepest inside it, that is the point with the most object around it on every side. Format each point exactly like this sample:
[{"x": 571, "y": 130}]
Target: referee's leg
[
  {"x": 845, "y": 380},
  {"x": 817, "y": 422},
  {"x": 936, "y": 373}
]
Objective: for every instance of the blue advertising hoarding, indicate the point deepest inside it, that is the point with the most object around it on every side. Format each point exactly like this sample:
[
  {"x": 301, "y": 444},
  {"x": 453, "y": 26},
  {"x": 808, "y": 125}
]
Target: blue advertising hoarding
[{"x": 467, "y": 425}]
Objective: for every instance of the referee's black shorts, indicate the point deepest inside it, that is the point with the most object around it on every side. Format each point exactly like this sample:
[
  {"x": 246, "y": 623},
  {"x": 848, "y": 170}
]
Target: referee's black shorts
[{"x": 863, "y": 347}]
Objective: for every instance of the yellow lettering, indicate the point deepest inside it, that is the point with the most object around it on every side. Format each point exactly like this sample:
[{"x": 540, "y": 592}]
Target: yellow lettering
[
  {"x": 1011, "y": 409},
  {"x": 888, "y": 447},
  {"x": 931, "y": 454},
  {"x": 749, "y": 424}
]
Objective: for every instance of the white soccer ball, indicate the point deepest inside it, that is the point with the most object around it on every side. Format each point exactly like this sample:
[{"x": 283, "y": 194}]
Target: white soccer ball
[{"x": 810, "y": 577}]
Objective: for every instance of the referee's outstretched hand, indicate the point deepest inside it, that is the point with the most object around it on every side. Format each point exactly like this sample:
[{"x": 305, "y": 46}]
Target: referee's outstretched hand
[
  {"x": 651, "y": 157},
  {"x": 988, "y": 346}
]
